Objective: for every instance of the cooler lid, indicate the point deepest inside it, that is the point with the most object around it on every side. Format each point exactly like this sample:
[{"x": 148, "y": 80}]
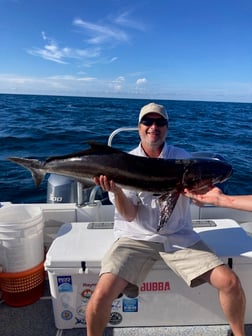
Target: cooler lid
[
  {"x": 85, "y": 243},
  {"x": 79, "y": 244},
  {"x": 225, "y": 237}
]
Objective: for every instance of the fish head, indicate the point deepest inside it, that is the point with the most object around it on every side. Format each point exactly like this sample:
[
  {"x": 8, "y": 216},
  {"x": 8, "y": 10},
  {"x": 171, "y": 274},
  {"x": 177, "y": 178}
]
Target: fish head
[{"x": 202, "y": 174}]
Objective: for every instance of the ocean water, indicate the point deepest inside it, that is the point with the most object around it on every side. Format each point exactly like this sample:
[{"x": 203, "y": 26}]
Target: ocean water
[{"x": 41, "y": 126}]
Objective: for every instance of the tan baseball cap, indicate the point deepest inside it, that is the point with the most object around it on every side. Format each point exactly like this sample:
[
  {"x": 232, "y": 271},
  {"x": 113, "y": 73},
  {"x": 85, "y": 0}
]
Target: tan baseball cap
[{"x": 153, "y": 108}]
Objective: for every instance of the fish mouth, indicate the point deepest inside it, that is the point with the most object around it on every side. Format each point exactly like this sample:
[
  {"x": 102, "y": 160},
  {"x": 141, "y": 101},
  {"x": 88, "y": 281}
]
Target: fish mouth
[{"x": 201, "y": 187}]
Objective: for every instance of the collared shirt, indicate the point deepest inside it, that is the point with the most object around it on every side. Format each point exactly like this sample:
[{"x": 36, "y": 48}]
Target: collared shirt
[{"x": 177, "y": 232}]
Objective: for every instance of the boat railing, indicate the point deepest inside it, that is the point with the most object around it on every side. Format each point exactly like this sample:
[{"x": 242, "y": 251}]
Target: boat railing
[{"x": 119, "y": 130}]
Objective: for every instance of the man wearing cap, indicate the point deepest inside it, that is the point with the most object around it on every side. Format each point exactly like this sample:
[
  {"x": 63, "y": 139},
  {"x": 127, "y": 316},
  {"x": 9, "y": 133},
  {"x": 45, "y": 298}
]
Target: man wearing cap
[{"x": 140, "y": 241}]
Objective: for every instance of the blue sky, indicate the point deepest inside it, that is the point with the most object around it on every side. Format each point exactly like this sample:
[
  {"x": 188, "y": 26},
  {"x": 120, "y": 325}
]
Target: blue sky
[{"x": 160, "y": 49}]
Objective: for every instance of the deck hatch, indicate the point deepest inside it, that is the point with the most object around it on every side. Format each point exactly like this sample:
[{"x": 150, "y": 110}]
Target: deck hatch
[{"x": 203, "y": 223}]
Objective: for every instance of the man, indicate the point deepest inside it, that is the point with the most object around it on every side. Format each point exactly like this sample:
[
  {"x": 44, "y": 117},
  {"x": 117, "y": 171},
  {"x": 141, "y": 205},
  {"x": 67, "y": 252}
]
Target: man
[
  {"x": 216, "y": 197},
  {"x": 140, "y": 242}
]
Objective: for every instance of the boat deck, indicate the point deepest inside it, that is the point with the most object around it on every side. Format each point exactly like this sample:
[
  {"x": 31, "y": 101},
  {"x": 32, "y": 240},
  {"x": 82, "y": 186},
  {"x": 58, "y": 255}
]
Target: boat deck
[{"x": 37, "y": 319}]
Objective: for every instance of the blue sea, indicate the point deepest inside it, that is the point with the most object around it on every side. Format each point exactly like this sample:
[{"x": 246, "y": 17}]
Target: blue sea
[{"x": 40, "y": 126}]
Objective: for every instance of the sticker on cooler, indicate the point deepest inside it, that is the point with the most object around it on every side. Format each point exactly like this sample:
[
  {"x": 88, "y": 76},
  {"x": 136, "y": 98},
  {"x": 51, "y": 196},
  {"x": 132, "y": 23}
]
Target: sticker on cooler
[
  {"x": 130, "y": 305},
  {"x": 115, "y": 318},
  {"x": 155, "y": 286},
  {"x": 64, "y": 283},
  {"x": 80, "y": 315},
  {"x": 88, "y": 289},
  {"x": 66, "y": 315}
]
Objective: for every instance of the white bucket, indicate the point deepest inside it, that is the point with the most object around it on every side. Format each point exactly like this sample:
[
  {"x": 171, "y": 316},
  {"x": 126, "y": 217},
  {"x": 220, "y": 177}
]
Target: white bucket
[{"x": 21, "y": 237}]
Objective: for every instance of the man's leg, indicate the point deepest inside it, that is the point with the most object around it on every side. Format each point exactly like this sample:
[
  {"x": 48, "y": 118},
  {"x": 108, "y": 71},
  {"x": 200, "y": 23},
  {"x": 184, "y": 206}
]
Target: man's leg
[
  {"x": 99, "y": 306},
  {"x": 231, "y": 296}
]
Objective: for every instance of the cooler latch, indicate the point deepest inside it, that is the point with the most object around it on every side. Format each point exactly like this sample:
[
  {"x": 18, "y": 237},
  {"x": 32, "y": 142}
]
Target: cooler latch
[
  {"x": 83, "y": 266},
  {"x": 230, "y": 262}
]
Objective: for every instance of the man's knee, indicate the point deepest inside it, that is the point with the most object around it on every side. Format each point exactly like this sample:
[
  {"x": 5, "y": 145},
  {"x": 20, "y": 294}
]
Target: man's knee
[
  {"x": 100, "y": 298},
  {"x": 224, "y": 279},
  {"x": 230, "y": 282}
]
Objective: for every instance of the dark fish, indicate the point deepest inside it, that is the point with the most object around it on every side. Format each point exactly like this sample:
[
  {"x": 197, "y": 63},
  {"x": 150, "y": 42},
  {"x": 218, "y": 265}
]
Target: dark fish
[{"x": 167, "y": 177}]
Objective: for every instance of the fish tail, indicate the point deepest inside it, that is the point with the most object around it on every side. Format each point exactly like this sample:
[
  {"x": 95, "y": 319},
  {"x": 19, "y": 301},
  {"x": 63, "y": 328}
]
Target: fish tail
[
  {"x": 167, "y": 204},
  {"x": 34, "y": 166}
]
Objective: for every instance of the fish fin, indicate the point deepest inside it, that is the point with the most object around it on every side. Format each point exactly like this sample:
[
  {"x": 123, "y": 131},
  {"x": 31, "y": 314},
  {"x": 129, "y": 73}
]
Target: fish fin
[
  {"x": 95, "y": 148},
  {"x": 167, "y": 202},
  {"x": 34, "y": 166}
]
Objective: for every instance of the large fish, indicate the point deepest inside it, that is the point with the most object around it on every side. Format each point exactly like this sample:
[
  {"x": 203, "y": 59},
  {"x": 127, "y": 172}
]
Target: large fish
[{"x": 165, "y": 177}]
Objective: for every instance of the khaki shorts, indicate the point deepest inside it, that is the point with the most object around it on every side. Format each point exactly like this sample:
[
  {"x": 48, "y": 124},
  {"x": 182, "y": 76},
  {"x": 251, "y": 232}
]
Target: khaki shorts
[{"x": 132, "y": 260}]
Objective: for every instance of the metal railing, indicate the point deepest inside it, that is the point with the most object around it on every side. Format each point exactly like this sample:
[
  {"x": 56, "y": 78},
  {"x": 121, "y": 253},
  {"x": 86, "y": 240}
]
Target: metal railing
[{"x": 119, "y": 130}]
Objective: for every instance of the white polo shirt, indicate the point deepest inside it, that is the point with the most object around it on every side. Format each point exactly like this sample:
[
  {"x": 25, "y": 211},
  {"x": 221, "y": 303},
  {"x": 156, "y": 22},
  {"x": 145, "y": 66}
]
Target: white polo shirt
[{"x": 177, "y": 232}]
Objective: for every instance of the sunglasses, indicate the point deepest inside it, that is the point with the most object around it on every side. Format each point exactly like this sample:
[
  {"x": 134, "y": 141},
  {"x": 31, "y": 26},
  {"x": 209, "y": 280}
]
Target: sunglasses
[{"x": 160, "y": 122}]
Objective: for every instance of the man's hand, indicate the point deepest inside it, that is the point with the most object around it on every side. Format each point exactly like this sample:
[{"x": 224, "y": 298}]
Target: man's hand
[
  {"x": 199, "y": 198},
  {"x": 106, "y": 184},
  {"x": 123, "y": 204}
]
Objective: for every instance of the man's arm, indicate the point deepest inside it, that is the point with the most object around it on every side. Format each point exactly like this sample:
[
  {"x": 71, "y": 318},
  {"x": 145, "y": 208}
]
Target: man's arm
[{"x": 216, "y": 197}]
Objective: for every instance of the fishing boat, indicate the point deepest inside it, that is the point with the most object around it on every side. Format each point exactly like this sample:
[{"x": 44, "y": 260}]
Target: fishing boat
[{"x": 75, "y": 227}]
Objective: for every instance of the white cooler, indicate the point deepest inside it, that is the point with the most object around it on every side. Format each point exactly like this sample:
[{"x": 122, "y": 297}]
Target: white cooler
[{"x": 73, "y": 264}]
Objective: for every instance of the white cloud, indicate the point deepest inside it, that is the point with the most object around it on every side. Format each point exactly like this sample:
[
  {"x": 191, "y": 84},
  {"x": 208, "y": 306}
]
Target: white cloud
[
  {"x": 44, "y": 37},
  {"x": 101, "y": 33},
  {"x": 67, "y": 84},
  {"x": 118, "y": 83},
  {"x": 52, "y": 52},
  {"x": 113, "y": 59},
  {"x": 97, "y": 35},
  {"x": 124, "y": 20},
  {"x": 120, "y": 78},
  {"x": 81, "y": 85},
  {"x": 71, "y": 78},
  {"x": 141, "y": 81},
  {"x": 87, "y": 79}
]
